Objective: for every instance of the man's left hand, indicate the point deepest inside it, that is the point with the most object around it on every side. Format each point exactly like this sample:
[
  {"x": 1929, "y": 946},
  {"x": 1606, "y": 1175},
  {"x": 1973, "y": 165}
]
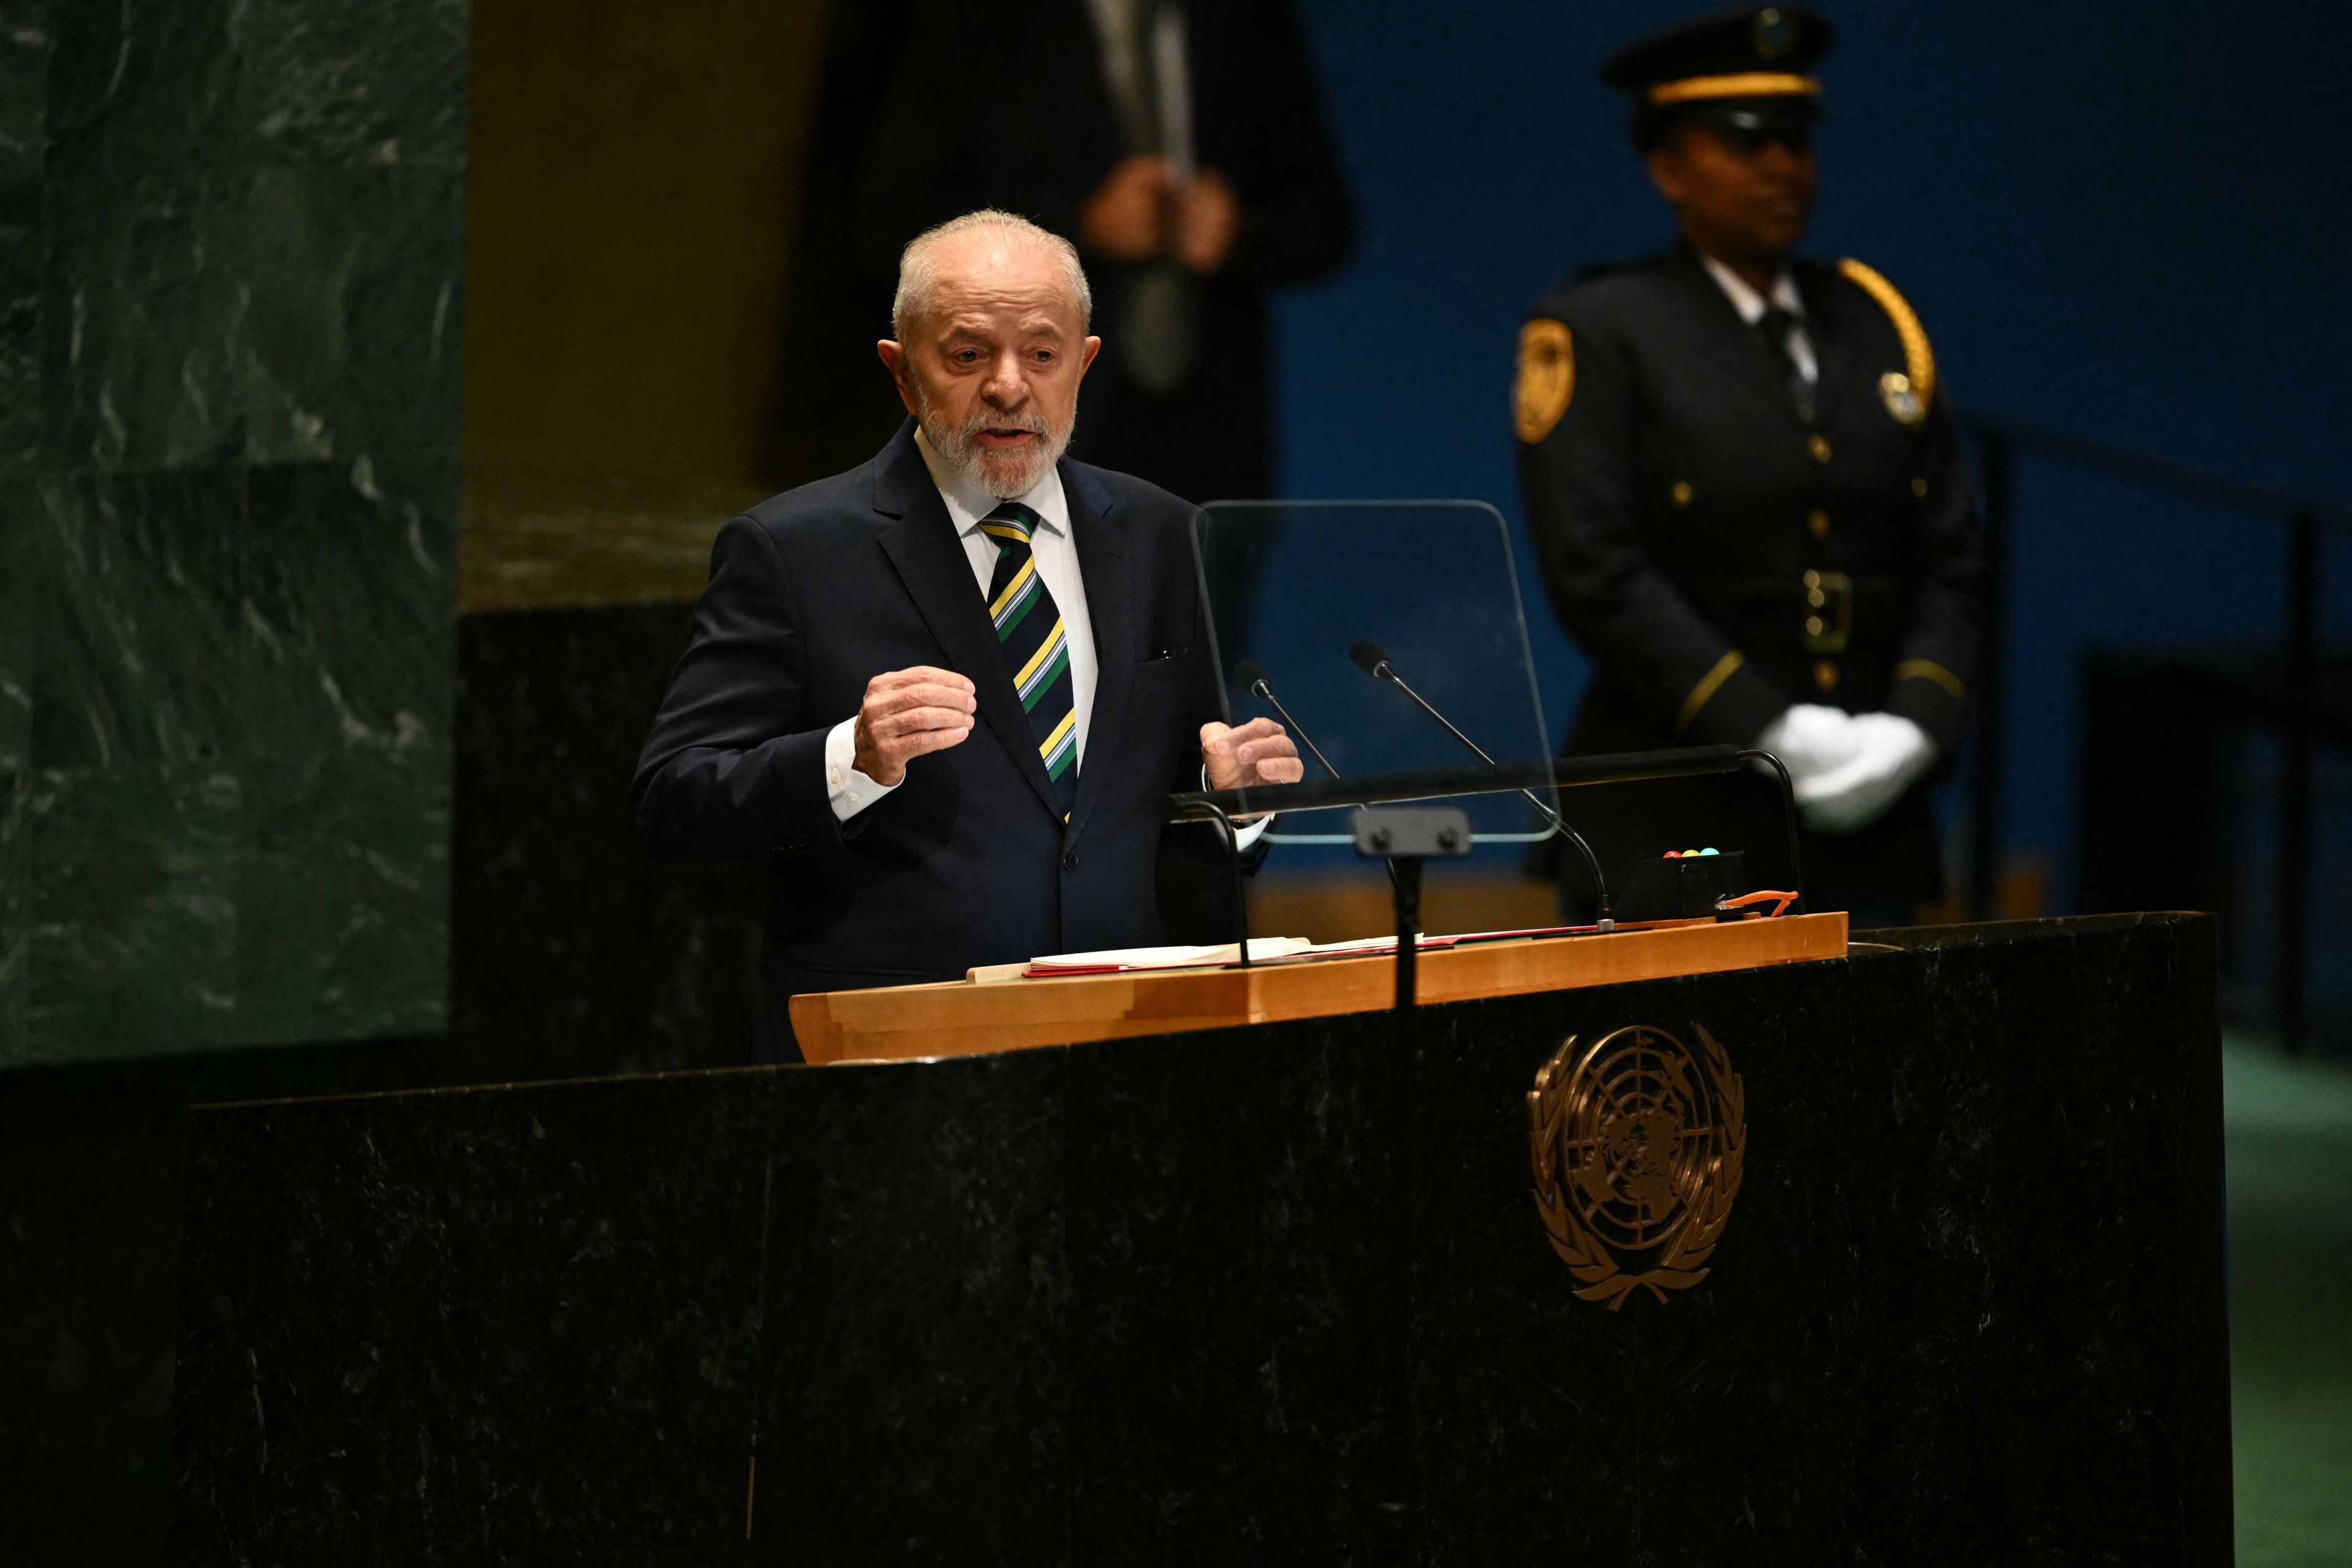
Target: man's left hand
[{"x": 1259, "y": 752}]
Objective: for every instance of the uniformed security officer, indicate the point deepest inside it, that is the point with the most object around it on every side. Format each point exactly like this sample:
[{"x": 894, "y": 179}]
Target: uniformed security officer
[{"x": 1742, "y": 478}]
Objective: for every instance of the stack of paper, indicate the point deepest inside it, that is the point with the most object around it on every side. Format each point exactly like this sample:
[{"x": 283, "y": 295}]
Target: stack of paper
[
  {"x": 1263, "y": 950},
  {"x": 1126, "y": 960},
  {"x": 1427, "y": 944}
]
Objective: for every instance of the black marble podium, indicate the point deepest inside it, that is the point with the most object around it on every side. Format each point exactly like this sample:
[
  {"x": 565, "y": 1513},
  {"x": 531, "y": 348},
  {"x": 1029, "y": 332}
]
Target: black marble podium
[{"x": 1265, "y": 1295}]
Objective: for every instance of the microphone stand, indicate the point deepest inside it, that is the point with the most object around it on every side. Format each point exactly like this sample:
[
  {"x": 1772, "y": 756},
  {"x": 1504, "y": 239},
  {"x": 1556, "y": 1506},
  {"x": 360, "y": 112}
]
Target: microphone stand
[
  {"x": 1263, "y": 689},
  {"x": 1377, "y": 666},
  {"x": 1234, "y": 864},
  {"x": 1260, "y": 685},
  {"x": 1788, "y": 823}
]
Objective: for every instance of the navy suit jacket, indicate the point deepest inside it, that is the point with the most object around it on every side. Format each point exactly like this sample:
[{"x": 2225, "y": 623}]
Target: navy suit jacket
[{"x": 813, "y": 593}]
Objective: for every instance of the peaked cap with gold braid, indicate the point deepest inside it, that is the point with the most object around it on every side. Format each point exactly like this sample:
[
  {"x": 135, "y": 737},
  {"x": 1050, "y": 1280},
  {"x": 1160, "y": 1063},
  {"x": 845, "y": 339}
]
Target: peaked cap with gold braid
[{"x": 1748, "y": 68}]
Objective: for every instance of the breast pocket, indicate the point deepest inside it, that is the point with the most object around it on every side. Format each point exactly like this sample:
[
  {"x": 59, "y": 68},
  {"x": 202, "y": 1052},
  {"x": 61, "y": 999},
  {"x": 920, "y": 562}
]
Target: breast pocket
[{"x": 1163, "y": 674}]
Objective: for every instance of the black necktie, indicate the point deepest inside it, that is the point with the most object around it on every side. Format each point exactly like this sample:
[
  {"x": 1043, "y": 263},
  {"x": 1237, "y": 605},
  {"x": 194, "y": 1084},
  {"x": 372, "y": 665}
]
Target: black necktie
[{"x": 1774, "y": 327}]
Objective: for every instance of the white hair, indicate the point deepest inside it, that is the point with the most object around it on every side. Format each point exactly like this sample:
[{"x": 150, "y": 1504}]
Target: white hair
[{"x": 919, "y": 272}]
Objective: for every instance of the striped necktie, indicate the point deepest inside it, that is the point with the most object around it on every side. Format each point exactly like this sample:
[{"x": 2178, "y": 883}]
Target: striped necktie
[{"x": 1036, "y": 645}]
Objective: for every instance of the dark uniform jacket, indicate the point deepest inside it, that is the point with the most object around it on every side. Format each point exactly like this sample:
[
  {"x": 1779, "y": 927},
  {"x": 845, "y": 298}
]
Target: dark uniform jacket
[
  {"x": 1721, "y": 557},
  {"x": 968, "y": 861}
]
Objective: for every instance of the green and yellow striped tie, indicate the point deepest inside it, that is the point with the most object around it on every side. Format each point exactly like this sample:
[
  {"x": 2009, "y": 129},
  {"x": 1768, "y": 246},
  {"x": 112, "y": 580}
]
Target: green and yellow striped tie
[{"x": 1037, "y": 645}]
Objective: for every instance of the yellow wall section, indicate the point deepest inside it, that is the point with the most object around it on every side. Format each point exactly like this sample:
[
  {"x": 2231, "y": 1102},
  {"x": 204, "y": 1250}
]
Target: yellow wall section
[{"x": 634, "y": 168}]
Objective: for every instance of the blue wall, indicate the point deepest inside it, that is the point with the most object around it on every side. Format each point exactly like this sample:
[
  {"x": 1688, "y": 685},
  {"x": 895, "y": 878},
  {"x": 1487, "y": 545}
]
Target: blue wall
[{"x": 2135, "y": 225}]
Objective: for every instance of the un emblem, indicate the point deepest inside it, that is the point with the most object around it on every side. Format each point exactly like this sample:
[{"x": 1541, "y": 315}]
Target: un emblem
[{"x": 1636, "y": 1145}]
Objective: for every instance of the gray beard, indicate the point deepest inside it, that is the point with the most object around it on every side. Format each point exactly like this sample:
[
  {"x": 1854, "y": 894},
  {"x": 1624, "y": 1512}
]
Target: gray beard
[{"x": 1003, "y": 476}]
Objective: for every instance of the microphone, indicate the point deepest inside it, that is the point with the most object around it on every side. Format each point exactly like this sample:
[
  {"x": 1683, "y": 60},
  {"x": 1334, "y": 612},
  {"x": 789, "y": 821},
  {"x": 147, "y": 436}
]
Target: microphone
[
  {"x": 1368, "y": 658},
  {"x": 1253, "y": 678}
]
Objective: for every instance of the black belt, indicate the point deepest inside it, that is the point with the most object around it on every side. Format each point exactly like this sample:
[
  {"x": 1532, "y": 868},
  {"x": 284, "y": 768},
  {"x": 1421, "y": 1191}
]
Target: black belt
[{"x": 1820, "y": 613}]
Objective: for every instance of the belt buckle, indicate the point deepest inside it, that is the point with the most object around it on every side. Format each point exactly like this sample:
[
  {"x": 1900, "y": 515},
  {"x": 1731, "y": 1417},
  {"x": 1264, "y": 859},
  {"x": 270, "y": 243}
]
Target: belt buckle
[{"x": 1829, "y": 612}]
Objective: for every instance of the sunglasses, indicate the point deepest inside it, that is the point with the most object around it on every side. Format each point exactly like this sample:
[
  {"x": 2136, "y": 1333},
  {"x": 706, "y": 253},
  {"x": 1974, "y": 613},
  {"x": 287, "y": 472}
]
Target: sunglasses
[{"x": 1753, "y": 140}]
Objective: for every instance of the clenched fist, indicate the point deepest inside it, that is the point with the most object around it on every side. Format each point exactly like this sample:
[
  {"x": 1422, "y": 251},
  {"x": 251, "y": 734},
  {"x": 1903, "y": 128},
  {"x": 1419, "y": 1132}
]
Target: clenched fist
[
  {"x": 908, "y": 712},
  {"x": 1259, "y": 752}
]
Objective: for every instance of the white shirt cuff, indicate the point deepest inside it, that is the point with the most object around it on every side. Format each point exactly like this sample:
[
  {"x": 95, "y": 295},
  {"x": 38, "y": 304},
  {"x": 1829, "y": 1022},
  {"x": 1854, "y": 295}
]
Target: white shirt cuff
[
  {"x": 850, "y": 790},
  {"x": 1244, "y": 834}
]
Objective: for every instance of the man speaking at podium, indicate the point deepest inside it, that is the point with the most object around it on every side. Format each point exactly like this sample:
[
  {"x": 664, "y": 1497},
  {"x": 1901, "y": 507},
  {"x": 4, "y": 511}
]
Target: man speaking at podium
[{"x": 943, "y": 694}]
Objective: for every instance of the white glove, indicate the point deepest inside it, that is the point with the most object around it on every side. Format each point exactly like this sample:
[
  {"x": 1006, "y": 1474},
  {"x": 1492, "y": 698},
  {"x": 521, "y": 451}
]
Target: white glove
[
  {"x": 1811, "y": 739},
  {"x": 1892, "y": 753}
]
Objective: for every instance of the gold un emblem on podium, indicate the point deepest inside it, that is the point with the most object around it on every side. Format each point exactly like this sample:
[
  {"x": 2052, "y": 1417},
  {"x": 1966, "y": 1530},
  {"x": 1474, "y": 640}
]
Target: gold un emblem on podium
[{"x": 1636, "y": 1143}]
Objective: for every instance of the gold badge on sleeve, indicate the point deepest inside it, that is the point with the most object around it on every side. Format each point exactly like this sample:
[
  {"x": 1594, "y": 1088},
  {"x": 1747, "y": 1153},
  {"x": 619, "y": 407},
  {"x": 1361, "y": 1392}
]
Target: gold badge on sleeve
[
  {"x": 1637, "y": 1145},
  {"x": 1547, "y": 377},
  {"x": 1901, "y": 398},
  {"x": 1911, "y": 391}
]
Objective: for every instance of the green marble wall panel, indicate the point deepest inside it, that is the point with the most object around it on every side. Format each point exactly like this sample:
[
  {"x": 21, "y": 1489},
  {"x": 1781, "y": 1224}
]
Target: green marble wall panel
[
  {"x": 20, "y": 593},
  {"x": 133, "y": 893},
  {"x": 230, "y": 293},
  {"x": 349, "y": 571},
  {"x": 16, "y": 914},
  {"x": 24, "y": 68},
  {"x": 349, "y": 678},
  {"x": 135, "y": 636},
  {"x": 270, "y": 268},
  {"x": 23, "y": 142}
]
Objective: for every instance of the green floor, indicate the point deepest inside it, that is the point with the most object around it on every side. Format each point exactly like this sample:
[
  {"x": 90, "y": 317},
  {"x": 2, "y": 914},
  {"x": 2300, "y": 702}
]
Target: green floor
[{"x": 2290, "y": 1132}]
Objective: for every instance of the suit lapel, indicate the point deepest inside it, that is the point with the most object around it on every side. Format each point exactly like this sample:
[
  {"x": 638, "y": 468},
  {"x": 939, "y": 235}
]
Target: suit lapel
[
  {"x": 1109, "y": 575},
  {"x": 921, "y": 544}
]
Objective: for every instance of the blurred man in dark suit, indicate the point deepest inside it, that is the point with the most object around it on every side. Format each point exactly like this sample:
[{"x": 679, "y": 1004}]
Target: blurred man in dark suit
[
  {"x": 1183, "y": 142},
  {"x": 1743, "y": 479}
]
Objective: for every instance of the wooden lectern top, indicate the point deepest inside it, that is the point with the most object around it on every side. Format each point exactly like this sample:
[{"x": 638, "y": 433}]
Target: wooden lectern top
[{"x": 964, "y": 1017}]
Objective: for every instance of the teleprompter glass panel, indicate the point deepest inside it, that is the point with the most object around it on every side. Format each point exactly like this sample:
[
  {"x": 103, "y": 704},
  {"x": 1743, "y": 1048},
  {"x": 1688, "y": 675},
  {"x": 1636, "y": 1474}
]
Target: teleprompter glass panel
[{"x": 1348, "y": 611}]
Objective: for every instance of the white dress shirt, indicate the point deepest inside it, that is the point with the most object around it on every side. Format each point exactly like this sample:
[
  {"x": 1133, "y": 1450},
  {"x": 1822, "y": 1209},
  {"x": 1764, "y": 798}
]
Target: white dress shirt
[
  {"x": 1057, "y": 555},
  {"x": 1750, "y": 306}
]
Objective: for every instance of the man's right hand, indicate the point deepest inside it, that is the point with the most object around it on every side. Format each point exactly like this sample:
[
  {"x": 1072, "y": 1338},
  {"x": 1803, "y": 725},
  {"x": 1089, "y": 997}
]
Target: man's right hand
[
  {"x": 1126, "y": 217},
  {"x": 908, "y": 712}
]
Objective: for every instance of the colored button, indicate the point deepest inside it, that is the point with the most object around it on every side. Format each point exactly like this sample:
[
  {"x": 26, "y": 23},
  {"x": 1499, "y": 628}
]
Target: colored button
[
  {"x": 1825, "y": 674},
  {"x": 1920, "y": 488},
  {"x": 1820, "y": 524},
  {"x": 1681, "y": 492},
  {"x": 1820, "y": 447}
]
